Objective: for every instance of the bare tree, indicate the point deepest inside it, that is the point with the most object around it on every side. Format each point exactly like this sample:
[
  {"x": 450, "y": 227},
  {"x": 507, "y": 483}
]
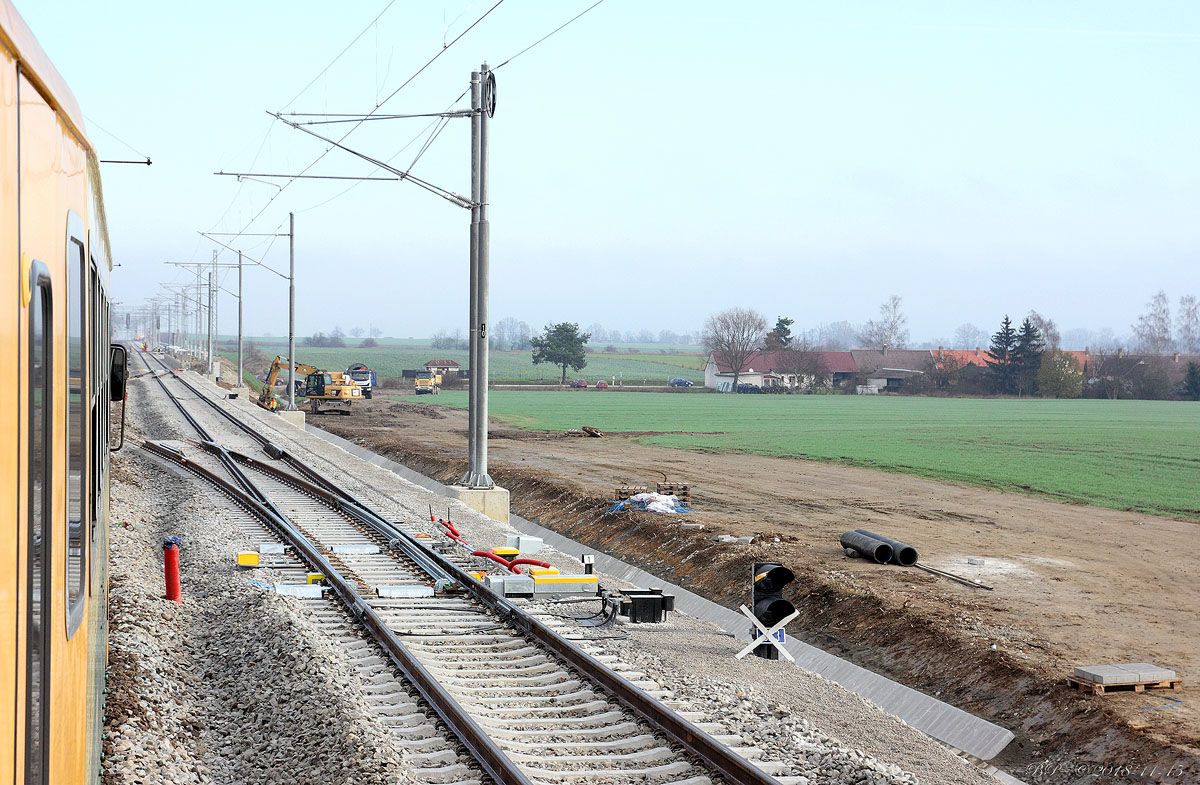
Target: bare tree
[
  {"x": 968, "y": 336},
  {"x": 1153, "y": 328},
  {"x": 374, "y": 332},
  {"x": 1187, "y": 324},
  {"x": 806, "y": 364},
  {"x": 733, "y": 336},
  {"x": 889, "y": 330},
  {"x": 834, "y": 336},
  {"x": 1049, "y": 330},
  {"x": 357, "y": 332}
]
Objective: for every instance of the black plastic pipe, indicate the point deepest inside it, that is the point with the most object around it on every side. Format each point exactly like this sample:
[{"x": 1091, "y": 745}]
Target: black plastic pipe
[
  {"x": 903, "y": 554},
  {"x": 867, "y": 546}
]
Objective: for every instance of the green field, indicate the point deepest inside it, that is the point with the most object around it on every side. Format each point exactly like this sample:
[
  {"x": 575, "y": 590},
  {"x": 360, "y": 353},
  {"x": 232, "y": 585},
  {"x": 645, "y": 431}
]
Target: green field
[
  {"x": 1134, "y": 455},
  {"x": 641, "y": 368}
]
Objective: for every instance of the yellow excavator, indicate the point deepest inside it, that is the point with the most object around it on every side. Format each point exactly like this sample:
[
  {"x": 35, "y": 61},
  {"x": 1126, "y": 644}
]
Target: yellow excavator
[{"x": 325, "y": 391}]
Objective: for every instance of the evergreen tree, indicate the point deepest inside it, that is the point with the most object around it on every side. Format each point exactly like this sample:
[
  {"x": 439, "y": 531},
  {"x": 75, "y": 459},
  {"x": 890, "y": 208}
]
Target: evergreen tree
[
  {"x": 780, "y": 336},
  {"x": 1191, "y": 382},
  {"x": 562, "y": 345},
  {"x": 1000, "y": 358},
  {"x": 1026, "y": 357}
]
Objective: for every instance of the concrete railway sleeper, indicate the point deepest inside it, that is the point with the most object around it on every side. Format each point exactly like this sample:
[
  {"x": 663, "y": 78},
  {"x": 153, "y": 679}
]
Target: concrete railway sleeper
[
  {"x": 529, "y": 704},
  {"x": 433, "y": 756}
]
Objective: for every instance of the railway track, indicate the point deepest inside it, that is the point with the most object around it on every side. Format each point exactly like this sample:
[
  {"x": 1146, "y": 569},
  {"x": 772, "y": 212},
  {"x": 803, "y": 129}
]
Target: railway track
[{"x": 523, "y": 704}]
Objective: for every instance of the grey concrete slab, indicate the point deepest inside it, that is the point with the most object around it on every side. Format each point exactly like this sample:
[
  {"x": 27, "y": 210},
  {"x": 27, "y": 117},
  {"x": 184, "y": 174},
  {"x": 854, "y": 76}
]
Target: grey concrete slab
[
  {"x": 1106, "y": 674},
  {"x": 1124, "y": 673},
  {"x": 946, "y": 723},
  {"x": 1148, "y": 671}
]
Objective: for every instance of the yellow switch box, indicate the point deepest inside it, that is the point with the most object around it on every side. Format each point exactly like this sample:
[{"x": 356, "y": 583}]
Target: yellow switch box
[
  {"x": 316, "y": 577},
  {"x": 478, "y": 574},
  {"x": 543, "y": 571},
  {"x": 507, "y": 554},
  {"x": 247, "y": 558}
]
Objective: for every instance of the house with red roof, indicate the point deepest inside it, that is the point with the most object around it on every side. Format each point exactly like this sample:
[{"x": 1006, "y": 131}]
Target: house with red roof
[
  {"x": 781, "y": 368},
  {"x": 444, "y": 367}
]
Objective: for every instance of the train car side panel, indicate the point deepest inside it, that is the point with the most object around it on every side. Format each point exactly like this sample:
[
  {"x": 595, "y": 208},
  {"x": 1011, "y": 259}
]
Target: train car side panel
[
  {"x": 54, "y": 178},
  {"x": 10, "y": 308}
]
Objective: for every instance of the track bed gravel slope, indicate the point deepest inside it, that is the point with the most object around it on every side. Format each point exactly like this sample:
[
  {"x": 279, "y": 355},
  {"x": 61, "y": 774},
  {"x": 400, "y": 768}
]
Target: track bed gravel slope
[{"x": 231, "y": 686}]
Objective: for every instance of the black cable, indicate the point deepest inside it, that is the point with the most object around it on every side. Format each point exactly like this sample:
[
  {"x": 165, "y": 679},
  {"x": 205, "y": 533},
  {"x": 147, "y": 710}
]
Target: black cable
[
  {"x": 339, "y": 54},
  {"x": 355, "y": 127},
  {"x": 547, "y": 35}
]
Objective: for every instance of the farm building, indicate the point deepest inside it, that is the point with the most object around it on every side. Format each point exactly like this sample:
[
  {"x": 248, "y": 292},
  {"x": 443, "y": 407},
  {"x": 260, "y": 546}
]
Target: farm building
[
  {"x": 979, "y": 357},
  {"x": 779, "y": 369},
  {"x": 444, "y": 367},
  {"x": 892, "y": 369}
]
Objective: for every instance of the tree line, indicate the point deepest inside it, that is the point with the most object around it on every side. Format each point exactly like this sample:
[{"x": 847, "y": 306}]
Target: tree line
[{"x": 1022, "y": 360}]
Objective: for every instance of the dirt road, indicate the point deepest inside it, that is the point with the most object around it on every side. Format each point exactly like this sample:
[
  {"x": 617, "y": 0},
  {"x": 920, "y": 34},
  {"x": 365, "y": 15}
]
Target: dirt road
[{"x": 1073, "y": 585}]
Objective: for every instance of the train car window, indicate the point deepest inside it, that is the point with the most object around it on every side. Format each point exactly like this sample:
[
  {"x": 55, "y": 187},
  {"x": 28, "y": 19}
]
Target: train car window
[
  {"x": 41, "y": 413},
  {"x": 77, "y": 427},
  {"x": 96, "y": 440}
]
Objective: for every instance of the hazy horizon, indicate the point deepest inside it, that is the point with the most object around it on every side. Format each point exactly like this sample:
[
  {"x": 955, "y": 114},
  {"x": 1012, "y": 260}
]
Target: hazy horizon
[{"x": 652, "y": 164}]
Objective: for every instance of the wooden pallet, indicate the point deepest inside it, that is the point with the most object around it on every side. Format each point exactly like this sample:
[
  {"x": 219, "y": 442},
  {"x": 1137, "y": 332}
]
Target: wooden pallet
[
  {"x": 625, "y": 491},
  {"x": 1074, "y": 682},
  {"x": 680, "y": 490}
]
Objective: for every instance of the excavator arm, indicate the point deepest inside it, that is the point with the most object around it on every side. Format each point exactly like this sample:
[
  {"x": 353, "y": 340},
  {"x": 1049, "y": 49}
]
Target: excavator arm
[{"x": 267, "y": 398}]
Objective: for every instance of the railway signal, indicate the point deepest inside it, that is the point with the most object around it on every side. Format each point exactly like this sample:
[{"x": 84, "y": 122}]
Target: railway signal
[{"x": 771, "y": 611}]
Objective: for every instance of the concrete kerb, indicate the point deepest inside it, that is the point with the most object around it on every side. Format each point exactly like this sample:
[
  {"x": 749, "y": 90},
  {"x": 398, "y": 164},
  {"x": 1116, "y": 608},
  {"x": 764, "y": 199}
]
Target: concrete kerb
[{"x": 948, "y": 724}]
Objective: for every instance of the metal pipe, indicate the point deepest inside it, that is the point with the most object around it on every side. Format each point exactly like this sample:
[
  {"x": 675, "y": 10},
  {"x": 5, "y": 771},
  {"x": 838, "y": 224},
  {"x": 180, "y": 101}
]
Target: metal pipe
[
  {"x": 867, "y": 547},
  {"x": 473, "y": 289},
  {"x": 291, "y": 312},
  {"x": 902, "y": 554},
  {"x": 483, "y": 253},
  {"x": 238, "y": 382}
]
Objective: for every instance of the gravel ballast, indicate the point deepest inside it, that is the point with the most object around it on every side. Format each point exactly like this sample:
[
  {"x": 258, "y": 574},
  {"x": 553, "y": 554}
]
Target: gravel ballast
[
  {"x": 232, "y": 685},
  {"x": 826, "y": 733}
]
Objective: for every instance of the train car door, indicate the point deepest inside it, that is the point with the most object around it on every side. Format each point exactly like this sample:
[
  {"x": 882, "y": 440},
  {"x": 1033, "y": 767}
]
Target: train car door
[{"x": 40, "y": 519}]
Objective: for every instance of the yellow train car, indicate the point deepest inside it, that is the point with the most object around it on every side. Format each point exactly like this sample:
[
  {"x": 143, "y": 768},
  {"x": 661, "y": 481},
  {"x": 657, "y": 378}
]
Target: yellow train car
[{"x": 59, "y": 375}]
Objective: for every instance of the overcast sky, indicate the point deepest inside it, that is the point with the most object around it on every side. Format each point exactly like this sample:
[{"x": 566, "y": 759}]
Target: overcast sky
[{"x": 657, "y": 161}]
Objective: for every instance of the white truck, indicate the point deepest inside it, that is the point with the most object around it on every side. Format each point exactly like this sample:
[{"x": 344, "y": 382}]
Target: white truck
[{"x": 364, "y": 377}]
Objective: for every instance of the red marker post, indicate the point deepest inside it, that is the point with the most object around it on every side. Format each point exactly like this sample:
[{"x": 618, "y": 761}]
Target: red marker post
[{"x": 171, "y": 567}]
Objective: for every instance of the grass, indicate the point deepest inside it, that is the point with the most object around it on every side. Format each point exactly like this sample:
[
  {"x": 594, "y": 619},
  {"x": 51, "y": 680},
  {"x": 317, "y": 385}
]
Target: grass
[
  {"x": 1128, "y": 455},
  {"x": 505, "y": 366}
]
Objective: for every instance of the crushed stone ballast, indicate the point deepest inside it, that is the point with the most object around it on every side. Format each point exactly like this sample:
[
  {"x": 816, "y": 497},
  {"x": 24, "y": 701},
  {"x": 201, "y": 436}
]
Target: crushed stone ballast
[{"x": 529, "y": 705}]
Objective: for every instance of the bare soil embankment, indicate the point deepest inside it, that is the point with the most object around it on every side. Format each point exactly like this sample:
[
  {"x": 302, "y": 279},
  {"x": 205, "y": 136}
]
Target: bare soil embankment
[{"x": 1073, "y": 584}]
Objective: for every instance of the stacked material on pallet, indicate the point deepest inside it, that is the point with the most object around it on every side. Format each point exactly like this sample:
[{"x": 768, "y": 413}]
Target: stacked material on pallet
[
  {"x": 651, "y": 502},
  {"x": 1137, "y": 676},
  {"x": 680, "y": 489},
  {"x": 625, "y": 491}
]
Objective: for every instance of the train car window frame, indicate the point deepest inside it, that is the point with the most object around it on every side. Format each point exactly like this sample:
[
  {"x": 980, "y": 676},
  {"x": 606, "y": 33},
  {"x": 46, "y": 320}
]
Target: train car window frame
[
  {"x": 94, "y": 388},
  {"x": 40, "y": 529},
  {"x": 77, "y": 425}
]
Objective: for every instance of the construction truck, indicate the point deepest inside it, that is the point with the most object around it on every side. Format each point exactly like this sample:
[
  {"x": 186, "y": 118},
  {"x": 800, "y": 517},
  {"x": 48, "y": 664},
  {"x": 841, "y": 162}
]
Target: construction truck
[
  {"x": 364, "y": 377},
  {"x": 325, "y": 391},
  {"x": 427, "y": 383}
]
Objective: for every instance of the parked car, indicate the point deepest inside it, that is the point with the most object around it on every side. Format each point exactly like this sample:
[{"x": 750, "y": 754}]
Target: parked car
[
  {"x": 745, "y": 389},
  {"x": 601, "y": 385},
  {"x": 578, "y": 384},
  {"x": 681, "y": 382}
]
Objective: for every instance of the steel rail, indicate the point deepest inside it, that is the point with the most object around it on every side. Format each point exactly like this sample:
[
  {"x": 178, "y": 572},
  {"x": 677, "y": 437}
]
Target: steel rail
[
  {"x": 495, "y": 763},
  {"x": 658, "y": 715},
  {"x": 491, "y": 758}
]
